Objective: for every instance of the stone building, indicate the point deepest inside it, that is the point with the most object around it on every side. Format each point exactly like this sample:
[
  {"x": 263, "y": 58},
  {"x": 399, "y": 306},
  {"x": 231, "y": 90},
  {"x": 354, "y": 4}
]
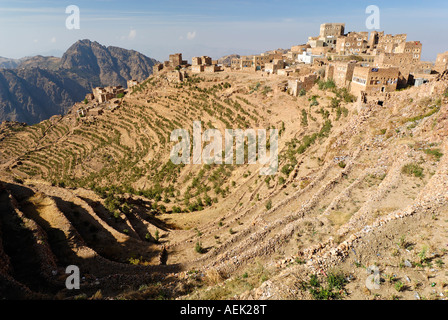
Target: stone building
[
  {"x": 316, "y": 42},
  {"x": 212, "y": 68},
  {"x": 95, "y": 112},
  {"x": 308, "y": 58},
  {"x": 198, "y": 68},
  {"x": 132, "y": 83},
  {"x": 90, "y": 97},
  {"x": 331, "y": 30},
  {"x": 196, "y": 61},
  {"x": 206, "y": 60},
  {"x": 352, "y": 43},
  {"x": 387, "y": 43},
  {"x": 157, "y": 68},
  {"x": 257, "y": 62},
  {"x": 328, "y": 35},
  {"x": 441, "y": 62},
  {"x": 176, "y": 59},
  {"x": 366, "y": 59},
  {"x": 374, "y": 80},
  {"x": 341, "y": 72},
  {"x": 285, "y": 72},
  {"x": 374, "y": 37},
  {"x": 303, "y": 83},
  {"x": 300, "y": 48},
  {"x": 176, "y": 76},
  {"x": 105, "y": 94},
  {"x": 406, "y": 57},
  {"x": 292, "y": 54},
  {"x": 413, "y": 48},
  {"x": 394, "y": 59},
  {"x": 320, "y": 51},
  {"x": 204, "y": 64}
]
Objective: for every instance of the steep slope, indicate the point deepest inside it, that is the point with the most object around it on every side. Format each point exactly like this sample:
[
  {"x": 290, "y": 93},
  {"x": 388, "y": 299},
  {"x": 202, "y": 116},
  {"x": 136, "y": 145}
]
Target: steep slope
[
  {"x": 106, "y": 65},
  {"x": 41, "y": 87},
  {"x": 48, "y": 63},
  {"x": 33, "y": 95},
  {"x": 353, "y": 179}
]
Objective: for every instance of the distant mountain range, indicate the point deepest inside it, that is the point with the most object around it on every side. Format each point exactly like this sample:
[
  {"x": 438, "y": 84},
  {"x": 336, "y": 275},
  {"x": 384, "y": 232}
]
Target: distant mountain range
[
  {"x": 9, "y": 63},
  {"x": 33, "y": 89}
]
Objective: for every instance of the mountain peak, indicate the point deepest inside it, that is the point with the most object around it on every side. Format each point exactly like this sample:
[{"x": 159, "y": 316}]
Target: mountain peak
[{"x": 66, "y": 80}]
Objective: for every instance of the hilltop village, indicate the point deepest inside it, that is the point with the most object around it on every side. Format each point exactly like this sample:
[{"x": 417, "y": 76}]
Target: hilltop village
[
  {"x": 362, "y": 179},
  {"x": 369, "y": 66}
]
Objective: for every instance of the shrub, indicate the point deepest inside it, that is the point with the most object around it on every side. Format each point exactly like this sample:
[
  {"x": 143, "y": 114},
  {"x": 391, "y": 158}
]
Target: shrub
[
  {"x": 304, "y": 118},
  {"x": 266, "y": 90},
  {"x": 434, "y": 152},
  {"x": 198, "y": 248},
  {"x": 287, "y": 169},
  {"x": 269, "y": 205},
  {"x": 325, "y": 85},
  {"x": 399, "y": 286},
  {"x": 314, "y": 103},
  {"x": 335, "y": 102},
  {"x": 177, "y": 209},
  {"x": 332, "y": 291},
  {"x": 433, "y": 111},
  {"x": 413, "y": 169}
]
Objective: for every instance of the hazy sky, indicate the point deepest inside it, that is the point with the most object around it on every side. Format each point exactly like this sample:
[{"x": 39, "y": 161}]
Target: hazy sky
[{"x": 207, "y": 27}]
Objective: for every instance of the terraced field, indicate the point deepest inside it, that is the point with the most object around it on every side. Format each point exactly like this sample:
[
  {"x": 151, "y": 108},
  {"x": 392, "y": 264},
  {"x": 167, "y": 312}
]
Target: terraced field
[{"x": 101, "y": 193}]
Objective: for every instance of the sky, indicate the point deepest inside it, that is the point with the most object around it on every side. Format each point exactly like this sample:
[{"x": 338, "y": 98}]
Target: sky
[{"x": 208, "y": 27}]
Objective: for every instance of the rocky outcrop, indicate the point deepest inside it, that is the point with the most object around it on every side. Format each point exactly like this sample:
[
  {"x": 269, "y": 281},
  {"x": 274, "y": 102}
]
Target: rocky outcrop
[{"x": 41, "y": 87}]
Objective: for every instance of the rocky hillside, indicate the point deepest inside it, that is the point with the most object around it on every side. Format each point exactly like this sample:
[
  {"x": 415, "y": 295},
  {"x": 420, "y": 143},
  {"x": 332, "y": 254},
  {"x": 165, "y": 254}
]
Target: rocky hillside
[
  {"x": 360, "y": 186},
  {"x": 49, "y": 63},
  {"x": 40, "y": 87},
  {"x": 106, "y": 65},
  {"x": 8, "y": 63},
  {"x": 32, "y": 95}
]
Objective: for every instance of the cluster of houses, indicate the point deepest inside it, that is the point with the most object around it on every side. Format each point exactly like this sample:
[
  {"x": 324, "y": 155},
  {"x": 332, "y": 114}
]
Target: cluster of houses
[
  {"x": 377, "y": 62},
  {"x": 103, "y": 98},
  {"x": 176, "y": 69}
]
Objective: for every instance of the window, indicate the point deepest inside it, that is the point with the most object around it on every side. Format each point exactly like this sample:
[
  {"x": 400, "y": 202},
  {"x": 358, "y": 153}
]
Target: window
[{"x": 359, "y": 80}]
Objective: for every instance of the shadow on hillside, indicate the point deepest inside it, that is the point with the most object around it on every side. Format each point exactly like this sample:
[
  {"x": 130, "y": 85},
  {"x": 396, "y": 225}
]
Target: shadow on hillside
[
  {"x": 102, "y": 240},
  {"x": 113, "y": 276}
]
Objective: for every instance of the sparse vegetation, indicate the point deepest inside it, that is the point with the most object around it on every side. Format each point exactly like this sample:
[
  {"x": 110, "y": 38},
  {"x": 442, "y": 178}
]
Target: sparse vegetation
[
  {"x": 413, "y": 169},
  {"x": 435, "y": 153},
  {"x": 128, "y": 202},
  {"x": 333, "y": 290},
  {"x": 198, "y": 248},
  {"x": 269, "y": 205}
]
